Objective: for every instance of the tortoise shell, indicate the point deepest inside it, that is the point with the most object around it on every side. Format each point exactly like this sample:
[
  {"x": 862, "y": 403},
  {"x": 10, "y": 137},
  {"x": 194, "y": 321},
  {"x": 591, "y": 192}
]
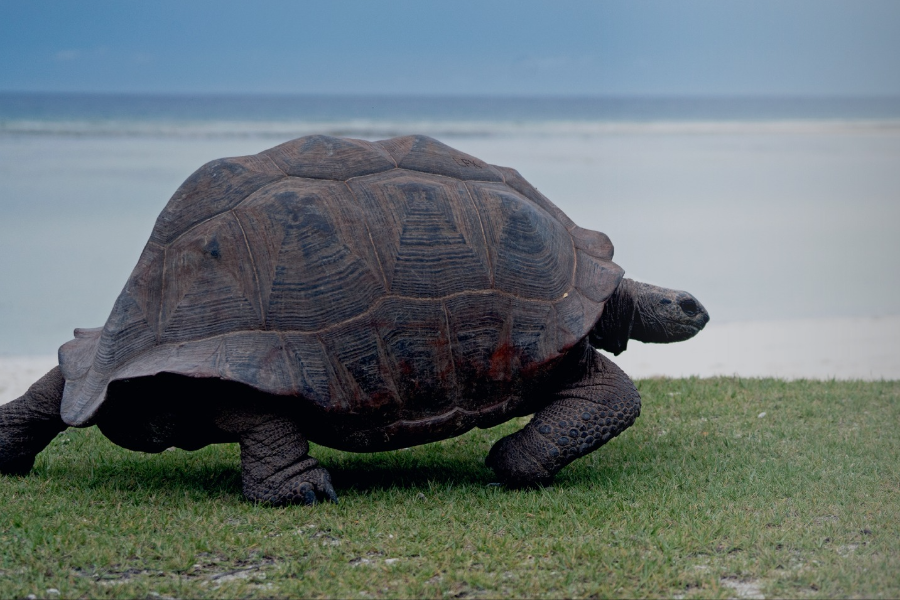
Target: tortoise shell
[{"x": 400, "y": 278}]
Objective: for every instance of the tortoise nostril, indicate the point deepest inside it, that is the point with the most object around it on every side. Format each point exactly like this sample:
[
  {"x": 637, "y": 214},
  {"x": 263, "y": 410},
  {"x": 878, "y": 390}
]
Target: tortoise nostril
[{"x": 689, "y": 306}]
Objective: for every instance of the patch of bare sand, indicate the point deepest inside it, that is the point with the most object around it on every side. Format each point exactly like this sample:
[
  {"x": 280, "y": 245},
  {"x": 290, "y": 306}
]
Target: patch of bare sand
[{"x": 840, "y": 348}]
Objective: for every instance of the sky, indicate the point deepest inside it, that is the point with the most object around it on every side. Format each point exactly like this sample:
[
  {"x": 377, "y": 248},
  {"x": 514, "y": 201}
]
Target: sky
[{"x": 577, "y": 47}]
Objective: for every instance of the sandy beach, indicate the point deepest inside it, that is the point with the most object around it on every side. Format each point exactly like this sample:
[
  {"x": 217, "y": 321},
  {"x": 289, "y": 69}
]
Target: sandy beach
[
  {"x": 760, "y": 227},
  {"x": 839, "y": 348},
  {"x": 849, "y": 348},
  {"x": 788, "y": 232}
]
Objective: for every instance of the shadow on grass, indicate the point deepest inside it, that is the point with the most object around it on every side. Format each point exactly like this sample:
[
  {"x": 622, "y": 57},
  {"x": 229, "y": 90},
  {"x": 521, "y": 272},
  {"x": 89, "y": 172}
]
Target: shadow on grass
[
  {"x": 127, "y": 477},
  {"x": 373, "y": 475},
  {"x": 215, "y": 471},
  {"x": 196, "y": 474}
]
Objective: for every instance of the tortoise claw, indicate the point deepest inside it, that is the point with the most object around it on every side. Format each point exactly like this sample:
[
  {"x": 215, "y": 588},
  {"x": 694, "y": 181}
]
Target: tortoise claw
[
  {"x": 312, "y": 494},
  {"x": 331, "y": 495},
  {"x": 308, "y": 493},
  {"x": 309, "y": 487}
]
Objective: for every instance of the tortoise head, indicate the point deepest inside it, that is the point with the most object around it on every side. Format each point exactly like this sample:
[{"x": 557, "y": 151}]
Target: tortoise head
[
  {"x": 647, "y": 313},
  {"x": 662, "y": 315}
]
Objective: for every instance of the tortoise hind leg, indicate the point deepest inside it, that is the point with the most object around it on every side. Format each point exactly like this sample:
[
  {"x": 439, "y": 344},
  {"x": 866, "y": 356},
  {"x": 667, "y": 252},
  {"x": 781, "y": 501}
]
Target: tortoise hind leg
[
  {"x": 30, "y": 422},
  {"x": 581, "y": 417},
  {"x": 275, "y": 464}
]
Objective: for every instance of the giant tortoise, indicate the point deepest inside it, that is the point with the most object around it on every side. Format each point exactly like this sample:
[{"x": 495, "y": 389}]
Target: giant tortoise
[{"x": 365, "y": 296}]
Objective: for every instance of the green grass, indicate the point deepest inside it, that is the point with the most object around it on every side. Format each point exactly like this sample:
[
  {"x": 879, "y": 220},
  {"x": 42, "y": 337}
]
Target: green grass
[{"x": 702, "y": 497}]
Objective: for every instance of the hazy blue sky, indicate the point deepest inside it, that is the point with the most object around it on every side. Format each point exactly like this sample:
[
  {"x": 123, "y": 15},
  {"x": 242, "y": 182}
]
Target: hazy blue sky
[{"x": 562, "y": 47}]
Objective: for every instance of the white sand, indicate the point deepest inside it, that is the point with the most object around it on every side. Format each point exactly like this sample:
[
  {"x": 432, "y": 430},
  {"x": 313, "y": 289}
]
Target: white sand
[
  {"x": 839, "y": 348},
  {"x": 19, "y": 372}
]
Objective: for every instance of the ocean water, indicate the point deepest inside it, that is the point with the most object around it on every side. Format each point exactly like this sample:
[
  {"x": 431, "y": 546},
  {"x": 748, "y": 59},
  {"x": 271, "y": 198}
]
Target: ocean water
[{"x": 768, "y": 210}]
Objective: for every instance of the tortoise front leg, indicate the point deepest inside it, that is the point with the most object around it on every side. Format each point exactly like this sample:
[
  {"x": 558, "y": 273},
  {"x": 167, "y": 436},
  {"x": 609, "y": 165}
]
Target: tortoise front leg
[
  {"x": 582, "y": 416},
  {"x": 275, "y": 464},
  {"x": 30, "y": 422}
]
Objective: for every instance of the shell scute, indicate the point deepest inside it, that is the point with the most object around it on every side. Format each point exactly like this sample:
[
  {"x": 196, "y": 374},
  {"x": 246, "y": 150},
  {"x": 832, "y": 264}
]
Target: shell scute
[
  {"x": 595, "y": 278},
  {"x": 258, "y": 360},
  {"x": 573, "y": 316},
  {"x": 426, "y": 154},
  {"x": 314, "y": 270},
  {"x": 531, "y": 253},
  {"x": 214, "y": 188},
  {"x": 532, "y": 335},
  {"x": 326, "y": 157},
  {"x": 208, "y": 287},
  {"x": 427, "y": 237},
  {"x": 479, "y": 324},
  {"x": 357, "y": 352},
  {"x": 125, "y": 335},
  {"x": 496, "y": 337},
  {"x": 314, "y": 378},
  {"x": 595, "y": 243},
  {"x": 418, "y": 352},
  {"x": 513, "y": 179}
]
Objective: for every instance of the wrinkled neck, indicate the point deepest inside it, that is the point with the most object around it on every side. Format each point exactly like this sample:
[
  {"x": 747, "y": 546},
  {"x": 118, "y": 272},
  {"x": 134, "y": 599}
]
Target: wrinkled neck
[{"x": 613, "y": 330}]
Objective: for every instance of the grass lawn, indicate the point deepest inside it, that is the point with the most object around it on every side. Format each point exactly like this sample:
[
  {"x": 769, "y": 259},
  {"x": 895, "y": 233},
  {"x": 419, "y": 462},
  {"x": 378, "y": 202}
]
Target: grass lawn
[{"x": 723, "y": 488}]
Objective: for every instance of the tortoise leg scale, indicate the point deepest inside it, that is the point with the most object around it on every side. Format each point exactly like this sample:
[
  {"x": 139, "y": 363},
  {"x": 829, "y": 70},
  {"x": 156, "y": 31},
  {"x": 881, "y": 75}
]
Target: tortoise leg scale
[
  {"x": 30, "y": 422},
  {"x": 275, "y": 464},
  {"x": 580, "y": 418}
]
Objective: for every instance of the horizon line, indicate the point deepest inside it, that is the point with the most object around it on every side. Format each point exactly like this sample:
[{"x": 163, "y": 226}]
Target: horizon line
[{"x": 462, "y": 96}]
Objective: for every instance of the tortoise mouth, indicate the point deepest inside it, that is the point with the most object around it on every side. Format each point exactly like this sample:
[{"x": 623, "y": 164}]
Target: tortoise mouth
[
  {"x": 679, "y": 330},
  {"x": 685, "y": 326}
]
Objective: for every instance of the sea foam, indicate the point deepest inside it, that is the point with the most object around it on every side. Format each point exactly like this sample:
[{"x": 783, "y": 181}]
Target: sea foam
[{"x": 379, "y": 129}]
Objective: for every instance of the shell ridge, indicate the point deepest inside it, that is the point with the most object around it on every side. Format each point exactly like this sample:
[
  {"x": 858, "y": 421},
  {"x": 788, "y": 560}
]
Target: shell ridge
[
  {"x": 124, "y": 336},
  {"x": 382, "y": 354},
  {"x": 330, "y": 368},
  {"x": 487, "y": 253},
  {"x": 380, "y": 150},
  {"x": 208, "y": 289},
  {"x": 429, "y": 174},
  {"x": 162, "y": 291},
  {"x": 572, "y": 278},
  {"x": 153, "y": 254},
  {"x": 271, "y": 160},
  {"x": 262, "y": 307},
  {"x": 220, "y": 350},
  {"x": 446, "y": 312},
  {"x": 371, "y": 241},
  {"x": 287, "y": 360}
]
